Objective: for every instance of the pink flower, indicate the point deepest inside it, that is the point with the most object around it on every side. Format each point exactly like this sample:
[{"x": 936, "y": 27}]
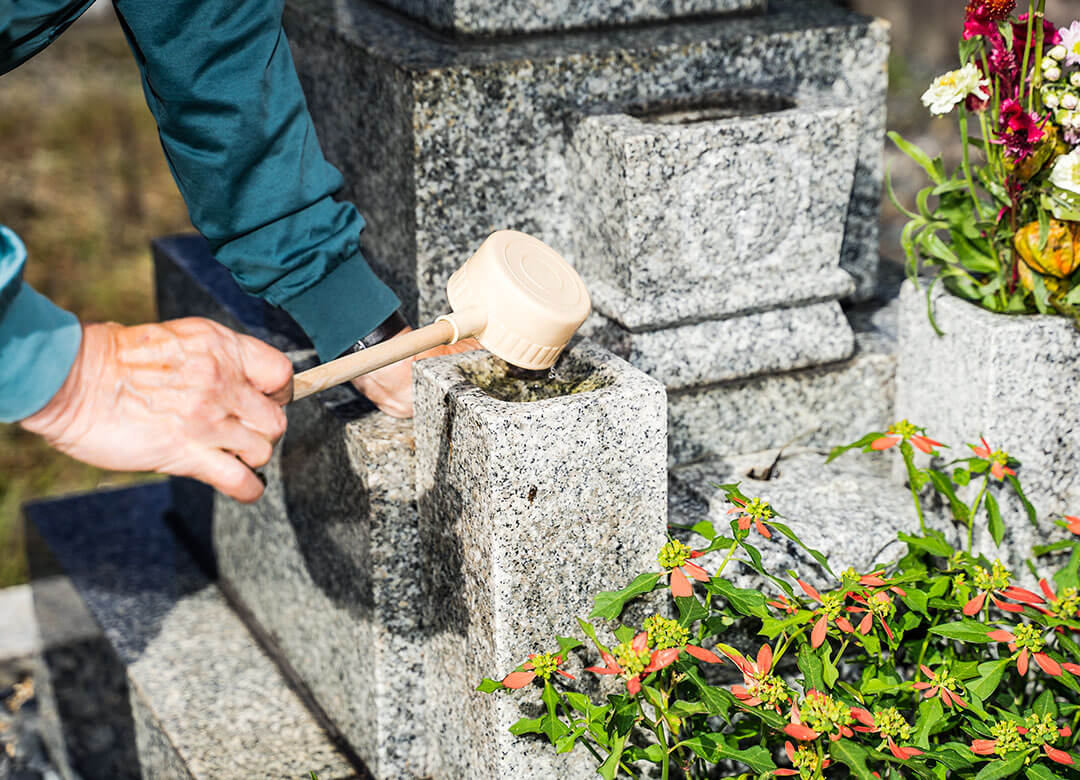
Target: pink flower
[
  {"x": 1070, "y": 39},
  {"x": 1020, "y": 130}
]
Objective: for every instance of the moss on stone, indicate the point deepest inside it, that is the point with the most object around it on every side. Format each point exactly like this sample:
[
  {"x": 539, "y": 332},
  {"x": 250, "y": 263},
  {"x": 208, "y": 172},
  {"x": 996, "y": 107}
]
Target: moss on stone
[{"x": 501, "y": 380}]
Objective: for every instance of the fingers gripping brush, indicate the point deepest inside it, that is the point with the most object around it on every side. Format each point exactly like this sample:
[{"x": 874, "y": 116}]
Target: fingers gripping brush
[{"x": 515, "y": 295}]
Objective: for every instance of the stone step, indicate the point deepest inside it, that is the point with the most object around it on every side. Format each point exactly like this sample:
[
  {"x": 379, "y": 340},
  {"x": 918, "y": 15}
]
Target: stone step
[
  {"x": 152, "y": 673},
  {"x": 850, "y": 509}
]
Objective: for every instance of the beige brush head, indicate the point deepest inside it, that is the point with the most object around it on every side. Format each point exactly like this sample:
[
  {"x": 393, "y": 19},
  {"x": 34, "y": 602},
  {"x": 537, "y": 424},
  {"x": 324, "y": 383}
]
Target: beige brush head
[{"x": 534, "y": 301}]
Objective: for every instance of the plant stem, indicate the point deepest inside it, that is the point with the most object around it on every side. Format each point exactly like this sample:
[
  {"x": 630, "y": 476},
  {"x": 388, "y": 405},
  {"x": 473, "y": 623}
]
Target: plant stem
[
  {"x": 1036, "y": 76},
  {"x": 1027, "y": 48},
  {"x": 974, "y": 510},
  {"x": 915, "y": 494},
  {"x": 730, "y": 555},
  {"x": 966, "y": 163},
  {"x": 787, "y": 643}
]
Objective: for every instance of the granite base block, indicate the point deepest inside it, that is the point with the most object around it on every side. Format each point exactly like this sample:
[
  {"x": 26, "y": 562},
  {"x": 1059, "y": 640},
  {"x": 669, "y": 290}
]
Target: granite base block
[
  {"x": 526, "y": 509},
  {"x": 683, "y": 217},
  {"x": 472, "y": 17},
  {"x": 818, "y": 407},
  {"x": 1012, "y": 379},
  {"x": 171, "y": 684},
  {"x": 735, "y": 348},
  {"x": 851, "y": 509},
  {"x": 328, "y": 564},
  {"x": 442, "y": 141}
]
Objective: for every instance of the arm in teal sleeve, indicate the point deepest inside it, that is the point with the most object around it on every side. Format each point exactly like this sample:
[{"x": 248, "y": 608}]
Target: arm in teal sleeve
[
  {"x": 38, "y": 341},
  {"x": 220, "y": 81}
]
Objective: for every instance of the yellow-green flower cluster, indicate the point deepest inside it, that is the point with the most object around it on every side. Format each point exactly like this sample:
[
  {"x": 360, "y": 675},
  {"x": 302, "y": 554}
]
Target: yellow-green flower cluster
[
  {"x": 1029, "y": 637},
  {"x": 759, "y": 509},
  {"x": 665, "y": 633},
  {"x": 890, "y": 723},
  {"x": 832, "y": 604},
  {"x": 633, "y": 662},
  {"x": 806, "y": 760},
  {"x": 824, "y": 714},
  {"x": 1007, "y": 737},
  {"x": 673, "y": 554},
  {"x": 1041, "y": 730},
  {"x": 1067, "y": 604},
  {"x": 996, "y": 579},
  {"x": 544, "y": 664},
  {"x": 770, "y": 689}
]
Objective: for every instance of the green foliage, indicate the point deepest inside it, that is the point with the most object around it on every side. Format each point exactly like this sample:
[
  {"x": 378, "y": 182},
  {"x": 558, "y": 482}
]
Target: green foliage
[{"x": 896, "y": 672}]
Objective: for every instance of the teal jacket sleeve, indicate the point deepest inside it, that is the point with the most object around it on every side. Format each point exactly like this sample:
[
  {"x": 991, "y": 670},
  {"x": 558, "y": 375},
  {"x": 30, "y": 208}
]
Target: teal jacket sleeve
[
  {"x": 38, "y": 341},
  {"x": 220, "y": 80}
]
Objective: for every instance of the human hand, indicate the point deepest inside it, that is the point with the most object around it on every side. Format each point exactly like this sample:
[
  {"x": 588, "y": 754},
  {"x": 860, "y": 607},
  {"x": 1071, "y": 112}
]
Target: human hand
[
  {"x": 391, "y": 388},
  {"x": 186, "y": 397}
]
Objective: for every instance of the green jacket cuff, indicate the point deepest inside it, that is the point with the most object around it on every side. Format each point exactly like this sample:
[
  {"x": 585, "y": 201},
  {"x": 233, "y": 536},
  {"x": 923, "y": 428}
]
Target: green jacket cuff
[
  {"x": 38, "y": 345},
  {"x": 346, "y": 305}
]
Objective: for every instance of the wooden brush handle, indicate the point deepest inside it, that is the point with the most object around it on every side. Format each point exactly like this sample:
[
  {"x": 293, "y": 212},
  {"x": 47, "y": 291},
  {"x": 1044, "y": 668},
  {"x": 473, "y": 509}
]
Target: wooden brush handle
[{"x": 365, "y": 361}]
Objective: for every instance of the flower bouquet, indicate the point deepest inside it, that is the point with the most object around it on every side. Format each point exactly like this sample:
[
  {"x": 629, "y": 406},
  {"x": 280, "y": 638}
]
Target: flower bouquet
[{"x": 1003, "y": 230}]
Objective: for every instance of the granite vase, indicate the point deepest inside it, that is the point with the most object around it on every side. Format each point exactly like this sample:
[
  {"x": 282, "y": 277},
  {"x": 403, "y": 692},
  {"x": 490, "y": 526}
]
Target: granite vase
[
  {"x": 1012, "y": 379},
  {"x": 527, "y": 508}
]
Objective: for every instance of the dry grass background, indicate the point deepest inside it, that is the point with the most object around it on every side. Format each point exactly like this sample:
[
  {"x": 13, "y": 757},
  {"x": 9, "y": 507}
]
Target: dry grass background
[{"x": 84, "y": 182}]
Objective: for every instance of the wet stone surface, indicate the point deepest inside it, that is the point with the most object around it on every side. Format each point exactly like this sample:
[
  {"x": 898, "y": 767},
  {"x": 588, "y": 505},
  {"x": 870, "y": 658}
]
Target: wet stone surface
[{"x": 506, "y": 382}]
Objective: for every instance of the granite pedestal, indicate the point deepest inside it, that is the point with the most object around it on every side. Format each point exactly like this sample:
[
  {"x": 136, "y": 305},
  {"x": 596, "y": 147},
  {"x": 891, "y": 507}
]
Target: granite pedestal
[
  {"x": 443, "y": 141},
  {"x": 1010, "y": 378},
  {"x": 515, "y": 16},
  {"x": 526, "y": 509},
  {"x": 711, "y": 207},
  {"x": 705, "y": 353},
  {"x": 821, "y": 406},
  {"x": 157, "y": 676}
]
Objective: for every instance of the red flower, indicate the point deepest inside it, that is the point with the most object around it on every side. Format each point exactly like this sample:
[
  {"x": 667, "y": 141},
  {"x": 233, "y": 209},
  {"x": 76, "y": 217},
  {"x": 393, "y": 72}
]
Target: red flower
[
  {"x": 870, "y": 726},
  {"x": 905, "y": 431},
  {"x": 1020, "y": 131},
  {"x": 994, "y": 583},
  {"x": 756, "y": 512},
  {"x": 783, "y": 604},
  {"x": 637, "y": 662},
  {"x": 675, "y": 558},
  {"x": 803, "y": 758},
  {"x": 1051, "y": 36},
  {"x": 759, "y": 685},
  {"x": 1028, "y": 639},
  {"x": 830, "y": 610},
  {"x": 875, "y": 580},
  {"x": 1073, "y": 524},
  {"x": 827, "y": 714},
  {"x": 990, "y": 10},
  {"x": 941, "y": 684},
  {"x": 1066, "y": 608},
  {"x": 542, "y": 665},
  {"x": 999, "y": 459},
  {"x": 878, "y": 605}
]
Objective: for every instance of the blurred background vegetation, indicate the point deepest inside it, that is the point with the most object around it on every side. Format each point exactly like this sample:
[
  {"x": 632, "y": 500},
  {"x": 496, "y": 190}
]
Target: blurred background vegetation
[{"x": 84, "y": 182}]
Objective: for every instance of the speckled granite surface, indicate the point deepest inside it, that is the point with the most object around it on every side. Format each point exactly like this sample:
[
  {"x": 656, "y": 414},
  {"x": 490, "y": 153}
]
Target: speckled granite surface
[
  {"x": 336, "y": 578},
  {"x": 443, "y": 141},
  {"x": 849, "y": 509},
  {"x": 514, "y": 16},
  {"x": 526, "y": 509},
  {"x": 194, "y": 695},
  {"x": 733, "y": 348},
  {"x": 1012, "y": 379},
  {"x": 679, "y": 217},
  {"x": 820, "y": 406}
]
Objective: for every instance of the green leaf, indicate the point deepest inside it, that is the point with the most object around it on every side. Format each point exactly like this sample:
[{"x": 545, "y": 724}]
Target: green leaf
[
  {"x": 690, "y": 609},
  {"x": 566, "y": 644},
  {"x": 1002, "y": 767},
  {"x": 916, "y": 600},
  {"x": 704, "y": 528},
  {"x": 1045, "y": 704},
  {"x": 997, "y": 525},
  {"x": 817, "y": 556},
  {"x": 863, "y": 444},
  {"x": 681, "y": 708},
  {"x": 1032, "y": 515},
  {"x": 489, "y": 686},
  {"x": 930, "y": 714},
  {"x": 550, "y": 723},
  {"x": 933, "y": 543},
  {"x": 990, "y": 673},
  {"x": 942, "y": 484},
  {"x": 624, "y": 634},
  {"x": 714, "y": 748},
  {"x": 811, "y": 667},
  {"x": 961, "y": 476},
  {"x": 609, "y": 604},
  {"x": 590, "y": 632},
  {"x": 1040, "y": 772},
  {"x": 853, "y": 755},
  {"x": 717, "y": 700},
  {"x": 610, "y": 767},
  {"x": 964, "y": 630},
  {"x": 829, "y": 672},
  {"x": 746, "y": 601},
  {"x": 527, "y": 726},
  {"x": 1045, "y": 549},
  {"x": 1069, "y": 574},
  {"x": 934, "y": 168}
]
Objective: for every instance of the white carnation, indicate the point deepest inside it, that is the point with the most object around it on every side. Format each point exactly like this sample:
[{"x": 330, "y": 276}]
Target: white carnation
[
  {"x": 953, "y": 87},
  {"x": 1066, "y": 172}
]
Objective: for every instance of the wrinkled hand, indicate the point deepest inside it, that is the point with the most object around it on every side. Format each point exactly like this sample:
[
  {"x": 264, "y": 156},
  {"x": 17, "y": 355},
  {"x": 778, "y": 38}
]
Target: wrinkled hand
[
  {"x": 186, "y": 397},
  {"x": 391, "y": 388}
]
